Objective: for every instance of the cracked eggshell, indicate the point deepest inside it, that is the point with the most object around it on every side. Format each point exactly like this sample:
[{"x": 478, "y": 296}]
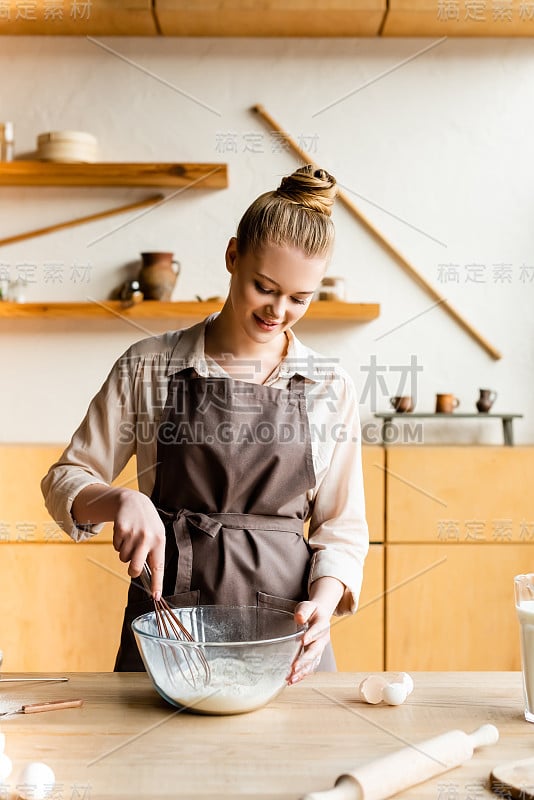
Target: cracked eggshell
[
  {"x": 5, "y": 767},
  {"x": 403, "y": 677},
  {"x": 372, "y": 687},
  {"x": 395, "y": 694}
]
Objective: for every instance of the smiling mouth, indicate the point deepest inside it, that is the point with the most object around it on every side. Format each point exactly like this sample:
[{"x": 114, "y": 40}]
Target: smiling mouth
[{"x": 266, "y": 323}]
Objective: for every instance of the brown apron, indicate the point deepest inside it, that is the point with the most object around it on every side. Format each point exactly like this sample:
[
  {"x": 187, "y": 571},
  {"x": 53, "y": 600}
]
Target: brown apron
[{"x": 234, "y": 463}]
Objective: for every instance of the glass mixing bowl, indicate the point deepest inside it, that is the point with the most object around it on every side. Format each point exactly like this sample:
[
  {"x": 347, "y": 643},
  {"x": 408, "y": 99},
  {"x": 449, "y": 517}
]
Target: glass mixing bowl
[{"x": 239, "y": 661}]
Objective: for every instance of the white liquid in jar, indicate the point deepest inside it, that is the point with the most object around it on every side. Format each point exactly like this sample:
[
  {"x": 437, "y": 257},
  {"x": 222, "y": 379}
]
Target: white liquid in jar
[{"x": 525, "y": 614}]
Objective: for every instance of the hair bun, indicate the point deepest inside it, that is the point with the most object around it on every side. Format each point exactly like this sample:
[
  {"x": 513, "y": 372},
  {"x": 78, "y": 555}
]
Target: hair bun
[{"x": 310, "y": 187}]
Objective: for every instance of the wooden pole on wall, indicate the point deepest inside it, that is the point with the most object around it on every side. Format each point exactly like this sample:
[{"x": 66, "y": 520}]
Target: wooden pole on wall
[
  {"x": 59, "y": 226},
  {"x": 375, "y": 233}
]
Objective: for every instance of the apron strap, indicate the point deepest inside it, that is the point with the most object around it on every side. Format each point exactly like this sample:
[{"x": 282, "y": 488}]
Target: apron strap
[{"x": 211, "y": 524}]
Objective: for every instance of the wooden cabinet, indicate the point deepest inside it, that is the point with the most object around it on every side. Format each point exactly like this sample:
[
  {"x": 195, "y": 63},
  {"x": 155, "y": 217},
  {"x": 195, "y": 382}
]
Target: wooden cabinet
[
  {"x": 358, "y": 640},
  {"x": 459, "y": 495},
  {"x": 373, "y": 463},
  {"x": 458, "y": 18},
  {"x": 452, "y": 607},
  {"x": 249, "y": 18},
  {"x": 61, "y": 603},
  {"x": 460, "y": 525},
  {"x": 437, "y": 591},
  {"x": 61, "y": 606},
  {"x": 270, "y": 18},
  {"x": 23, "y": 516},
  {"x": 97, "y": 17}
]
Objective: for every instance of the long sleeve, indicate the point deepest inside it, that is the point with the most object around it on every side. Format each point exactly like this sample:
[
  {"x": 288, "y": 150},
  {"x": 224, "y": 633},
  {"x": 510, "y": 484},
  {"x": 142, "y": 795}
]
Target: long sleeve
[
  {"x": 97, "y": 452},
  {"x": 338, "y": 531}
]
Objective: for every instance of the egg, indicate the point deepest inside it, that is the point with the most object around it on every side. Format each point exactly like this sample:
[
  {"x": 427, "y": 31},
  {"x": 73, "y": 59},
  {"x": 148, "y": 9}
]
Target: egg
[
  {"x": 35, "y": 781},
  {"x": 394, "y": 694},
  {"x": 5, "y": 767},
  {"x": 2, "y": 743},
  {"x": 371, "y": 689}
]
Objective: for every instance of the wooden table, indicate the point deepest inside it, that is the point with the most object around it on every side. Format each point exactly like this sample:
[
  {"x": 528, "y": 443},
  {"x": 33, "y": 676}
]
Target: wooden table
[{"x": 128, "y": 743}]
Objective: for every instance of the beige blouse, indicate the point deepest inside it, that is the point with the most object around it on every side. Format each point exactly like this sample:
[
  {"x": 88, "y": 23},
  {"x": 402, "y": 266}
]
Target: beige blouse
[{"x": 122, "y": 420}]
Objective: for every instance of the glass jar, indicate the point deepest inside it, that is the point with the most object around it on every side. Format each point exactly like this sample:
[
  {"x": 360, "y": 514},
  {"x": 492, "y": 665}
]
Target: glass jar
[
  {"x": 7, "y": 141},
  {"x": 332, "y": 288}
]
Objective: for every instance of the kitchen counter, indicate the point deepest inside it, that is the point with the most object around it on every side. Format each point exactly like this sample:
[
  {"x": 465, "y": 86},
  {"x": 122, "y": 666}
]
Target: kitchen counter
[{"x": 127, "y": 742}]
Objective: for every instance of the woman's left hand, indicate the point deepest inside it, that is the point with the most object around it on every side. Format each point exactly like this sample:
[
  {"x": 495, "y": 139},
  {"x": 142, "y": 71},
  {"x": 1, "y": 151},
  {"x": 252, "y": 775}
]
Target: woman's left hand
[{"x": 314, "y": 640}]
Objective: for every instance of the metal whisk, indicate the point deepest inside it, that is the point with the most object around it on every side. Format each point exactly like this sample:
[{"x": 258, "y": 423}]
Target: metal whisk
[{"x": 190, "y": 661}]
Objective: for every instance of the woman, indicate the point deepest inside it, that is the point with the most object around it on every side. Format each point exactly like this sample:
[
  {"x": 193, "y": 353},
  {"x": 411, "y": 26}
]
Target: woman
[{"x": 241, "y": 434}]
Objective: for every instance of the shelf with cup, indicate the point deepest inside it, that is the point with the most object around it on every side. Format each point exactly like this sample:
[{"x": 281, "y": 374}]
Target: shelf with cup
[
  {"x": 388, "y": 417},
  {"x": 49, "y": 173},
  {"x": 155, "y": 309}
]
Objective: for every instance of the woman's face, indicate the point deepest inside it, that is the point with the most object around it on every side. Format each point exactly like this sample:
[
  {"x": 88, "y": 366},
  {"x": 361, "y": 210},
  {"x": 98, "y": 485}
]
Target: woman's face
[{"x": 272, "y": 289}]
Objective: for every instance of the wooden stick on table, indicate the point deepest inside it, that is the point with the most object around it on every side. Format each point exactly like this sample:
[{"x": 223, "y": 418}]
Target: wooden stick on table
[
  {"x": 20, "y": 237},
  {"x": 404, "y": 263}
]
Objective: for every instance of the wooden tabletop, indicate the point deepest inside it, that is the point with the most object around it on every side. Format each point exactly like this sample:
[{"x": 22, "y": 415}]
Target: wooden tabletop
[{"x": 125, "y": 742}]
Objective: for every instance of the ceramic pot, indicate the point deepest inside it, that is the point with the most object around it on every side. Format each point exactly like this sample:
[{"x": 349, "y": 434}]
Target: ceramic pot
[
  {"x": 486, "y": 400},
  {"x": 158, "y": 275},
  {"x": 402, "y": 405},
  {"x": 446, "y": 403}
]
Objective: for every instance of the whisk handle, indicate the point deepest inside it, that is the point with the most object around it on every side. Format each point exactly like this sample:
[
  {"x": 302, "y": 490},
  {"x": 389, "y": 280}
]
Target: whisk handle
[{"x": 146, "y": 578}]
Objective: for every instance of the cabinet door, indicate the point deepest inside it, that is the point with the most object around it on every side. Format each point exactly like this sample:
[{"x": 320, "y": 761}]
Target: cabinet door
[
  {"x": 358, "y": 640},
  {"x": 61, "y": 606},
  {"x": 460, "y": 494},
  {"x": 270, "y": 17},
  {"x": 451, "y": 607},
  {"x": 97, "y": 17},
  {"x": 374, "y": 478},
  {"x": 431, "y": 18},
  {"x": 23, "y": 516}
]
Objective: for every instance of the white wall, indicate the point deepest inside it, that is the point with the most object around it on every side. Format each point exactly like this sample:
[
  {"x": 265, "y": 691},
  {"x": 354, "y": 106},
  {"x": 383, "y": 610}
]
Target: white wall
[{"x": 438, "y": 151}]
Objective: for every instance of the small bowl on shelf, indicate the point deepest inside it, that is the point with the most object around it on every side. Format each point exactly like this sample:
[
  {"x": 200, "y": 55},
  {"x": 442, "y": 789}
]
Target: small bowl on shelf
[{"x": 68, "y": 147}]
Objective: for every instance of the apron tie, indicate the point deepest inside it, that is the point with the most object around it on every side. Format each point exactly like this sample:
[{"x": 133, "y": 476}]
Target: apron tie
[
  {"x": 211, "y": 524},
  {"x": 203, "y": 523}
]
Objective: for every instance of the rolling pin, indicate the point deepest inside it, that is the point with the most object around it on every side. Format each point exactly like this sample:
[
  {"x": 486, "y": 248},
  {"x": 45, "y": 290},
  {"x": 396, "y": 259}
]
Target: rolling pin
[{"x": 407, "y": 767}]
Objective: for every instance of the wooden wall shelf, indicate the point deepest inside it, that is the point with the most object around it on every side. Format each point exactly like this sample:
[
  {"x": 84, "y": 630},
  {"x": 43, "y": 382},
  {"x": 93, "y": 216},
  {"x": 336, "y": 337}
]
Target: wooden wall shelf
[
  {"x": 153, "y": 309},
  {"x": 47, "y": 173}
]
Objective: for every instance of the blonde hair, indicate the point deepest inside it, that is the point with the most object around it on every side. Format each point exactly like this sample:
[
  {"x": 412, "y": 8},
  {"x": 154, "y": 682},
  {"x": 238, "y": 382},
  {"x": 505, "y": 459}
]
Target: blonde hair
[{"x": 297, "y": 214}]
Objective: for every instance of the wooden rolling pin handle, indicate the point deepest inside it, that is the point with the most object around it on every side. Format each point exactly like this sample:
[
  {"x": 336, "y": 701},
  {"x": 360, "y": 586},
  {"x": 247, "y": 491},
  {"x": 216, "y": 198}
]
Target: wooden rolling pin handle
[
  {"x": 404, "y": 768},
  {"x": 51, "y": 705},
  {"x": 483, "y": 736}
]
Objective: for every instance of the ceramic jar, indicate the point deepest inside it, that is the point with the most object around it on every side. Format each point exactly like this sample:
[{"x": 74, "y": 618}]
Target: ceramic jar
[
  {"x": 486, "y": 400},
  {"x": 158, "y": 275}
]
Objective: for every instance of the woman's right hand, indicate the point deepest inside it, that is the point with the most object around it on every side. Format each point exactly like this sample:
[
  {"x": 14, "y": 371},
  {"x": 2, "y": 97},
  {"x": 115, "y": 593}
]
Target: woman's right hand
[
  {"x": 138, "y": 531},
  {"x": 139, "y": 536}
]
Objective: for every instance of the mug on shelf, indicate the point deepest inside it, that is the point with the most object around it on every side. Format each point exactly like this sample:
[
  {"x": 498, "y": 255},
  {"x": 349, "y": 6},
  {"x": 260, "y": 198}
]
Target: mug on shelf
[
  {"x": 402, "y": 405},
  {"x": 446, "y": 403}
]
